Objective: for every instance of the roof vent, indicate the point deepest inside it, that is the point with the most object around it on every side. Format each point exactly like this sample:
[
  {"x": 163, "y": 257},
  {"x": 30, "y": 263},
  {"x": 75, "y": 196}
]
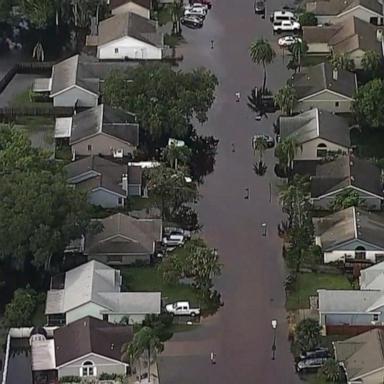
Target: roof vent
[{"x": 335, "y": 74}]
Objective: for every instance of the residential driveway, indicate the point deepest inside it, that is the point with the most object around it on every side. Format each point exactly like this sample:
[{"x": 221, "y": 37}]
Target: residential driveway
[{"x": 251, "y": 284}]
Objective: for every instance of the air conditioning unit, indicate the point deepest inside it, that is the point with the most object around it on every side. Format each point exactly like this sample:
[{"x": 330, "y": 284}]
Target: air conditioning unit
[{"x": 118, "y": 153}]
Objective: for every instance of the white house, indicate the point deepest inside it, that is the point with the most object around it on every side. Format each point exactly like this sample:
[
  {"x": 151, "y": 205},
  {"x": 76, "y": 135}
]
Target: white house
[
  {"x": 352, "y": 233},
  {"x": 320, "y": 86},
  {"x": 317, "y": 133},
  {"x": 94, "y": 289},
  {"x": 128, "y": 36},
  {"x": 140, "y": 7}
]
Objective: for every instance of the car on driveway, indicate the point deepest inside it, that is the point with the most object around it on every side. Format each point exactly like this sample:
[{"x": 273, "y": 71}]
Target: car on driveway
[
  {"x": 287, "y": 41},
  {"x": 308, "y": 365},
  {"x": 286, "y": 26},
  {"x": 268, "y": 139},
  {"x": 315, "y": 353},
  {"x": 192, "y": 22}
]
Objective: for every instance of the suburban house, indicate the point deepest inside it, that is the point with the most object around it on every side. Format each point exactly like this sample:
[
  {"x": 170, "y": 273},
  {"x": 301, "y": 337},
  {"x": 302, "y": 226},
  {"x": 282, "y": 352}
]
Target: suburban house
[
  {"x": 140, "y": 7},
  {"x": 352, "y": 311},
  {"x": 373, "y": 277},
  {"x": 107, "y": 183},
  {"x": 351, "y": 233},
  {"x": 351, "y": 37},
  {"x": 72, "y": 83},
  {"x": 94, "y": 289},
  {"x": 101, "y": 130},
  {"x": 318, "y": 133},
  {"x": 362, "y": 357},
  {"x": 128, "y": 36},
  {"x": 343, "y": 174},
  {"x": 124, "y": 240},
  {"x": 85, "y": 348},
  {"x": 334, "y": 11}
]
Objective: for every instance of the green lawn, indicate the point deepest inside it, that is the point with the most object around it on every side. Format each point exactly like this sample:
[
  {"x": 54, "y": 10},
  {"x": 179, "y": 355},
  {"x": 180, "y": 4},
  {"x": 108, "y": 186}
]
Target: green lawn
[
  {"x": 308, "y": 283},
  {"x": 24, "y": 99},
  {"x": 136, "y": 203}
]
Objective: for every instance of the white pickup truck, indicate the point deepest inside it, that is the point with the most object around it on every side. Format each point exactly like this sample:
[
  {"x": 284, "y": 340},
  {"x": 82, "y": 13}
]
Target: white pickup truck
[
  {"x": 182, "y": 308},
  {"x": 286, "y": 26}
]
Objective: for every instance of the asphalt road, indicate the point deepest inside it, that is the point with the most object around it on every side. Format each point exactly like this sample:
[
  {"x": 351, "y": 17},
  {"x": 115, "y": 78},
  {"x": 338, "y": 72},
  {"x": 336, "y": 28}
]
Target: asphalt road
[{"x": 251, "y": 284}]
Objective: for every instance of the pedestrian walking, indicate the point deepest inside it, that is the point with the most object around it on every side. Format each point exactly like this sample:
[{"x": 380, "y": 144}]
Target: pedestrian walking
[
  {"x": 237, "y": 94},
  {"x": 233, "y": 147},
  {"x": 212, "y": 44},
  {"x": 213, "y": 358}
]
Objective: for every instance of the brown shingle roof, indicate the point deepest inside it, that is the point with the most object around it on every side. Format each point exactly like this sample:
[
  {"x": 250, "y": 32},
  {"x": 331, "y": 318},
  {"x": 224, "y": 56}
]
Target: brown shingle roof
[
  {"x": 89, "y": 335},
  {"x": 335, "y": 7},
  {"x": 132, "y": 25}
]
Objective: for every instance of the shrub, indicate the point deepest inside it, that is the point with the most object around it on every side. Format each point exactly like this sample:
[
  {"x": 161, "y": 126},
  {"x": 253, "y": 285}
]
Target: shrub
[
  {"x": 308, "y": 334},
  {"x": 19, "y": 312},
  {"x": 70, "y": 379},
  {"x": 307, "y": 19}
]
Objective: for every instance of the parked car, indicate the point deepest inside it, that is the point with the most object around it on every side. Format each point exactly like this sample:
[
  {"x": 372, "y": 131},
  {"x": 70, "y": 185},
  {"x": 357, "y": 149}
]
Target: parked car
[
  {"x": 286, "y": 26},
  {"x": 315, "y": 353},
  {"x": 173, "y": 240},
  {"x": 310, "y": 364},
  {"x": 269, "y": 140},
  {"x": 287, "y": 41},
  {"x": 178, "y": 231},
  {"x": 182, "y": 308},
  {"x": 192, "y": 22},
  {"x": 198, "y": 12},
  {"x": 278, "y": 16},
  {"x": 259, "y": 6},
  {"x": 205, "y": 2},
  {"x": 197, "y": 5}
]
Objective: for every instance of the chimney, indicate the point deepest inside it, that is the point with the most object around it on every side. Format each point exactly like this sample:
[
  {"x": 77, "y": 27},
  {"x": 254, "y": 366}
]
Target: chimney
[
  {"x": 379, "y": 35},
  {"x": 124, "y": 182},
  {"x": 335, "y": 74}
]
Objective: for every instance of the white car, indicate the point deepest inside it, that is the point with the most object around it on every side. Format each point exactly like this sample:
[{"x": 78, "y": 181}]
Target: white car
[
  {"x": 199, "y": 12},
  {"x": 182, "y": 308},
  {"x": 197, "y": 5},
  {"x": 174, "y": 240},
  {"x": 286, "y": 26},
  {"x": 287, "y": 41}
]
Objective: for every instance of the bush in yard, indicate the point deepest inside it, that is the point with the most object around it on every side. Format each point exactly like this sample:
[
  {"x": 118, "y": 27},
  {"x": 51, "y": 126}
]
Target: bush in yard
[
  {"x": 19, "y": 312},
  {"x": 307, "y": 334},
  {"x": 307, "y": 19},
  {"x": 331, "y": 371},
  {"x": 161, "y": 324},
  {"x": 70, "y": 379}
]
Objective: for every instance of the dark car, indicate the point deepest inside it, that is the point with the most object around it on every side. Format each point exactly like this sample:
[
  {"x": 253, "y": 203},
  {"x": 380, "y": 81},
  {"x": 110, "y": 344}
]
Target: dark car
[
  {"x": 192, "y": 22},
  {"x": 308, "y": 365},
  {"x": 259, "y": 7},
  {"x": 315, "y": 353}
]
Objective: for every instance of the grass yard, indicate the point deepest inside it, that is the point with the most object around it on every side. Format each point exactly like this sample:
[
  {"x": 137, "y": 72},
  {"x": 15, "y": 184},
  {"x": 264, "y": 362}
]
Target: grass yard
[
  {"x": 308, "y": 283},
  {"x": 136, "y": 203},
  {"x": 25, "y": 99}
]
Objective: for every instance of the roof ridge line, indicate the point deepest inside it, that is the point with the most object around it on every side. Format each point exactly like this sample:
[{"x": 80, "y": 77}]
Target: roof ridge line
[{"x": 355, "y": 222}]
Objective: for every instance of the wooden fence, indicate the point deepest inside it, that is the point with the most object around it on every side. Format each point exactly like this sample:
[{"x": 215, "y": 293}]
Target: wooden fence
[
  {"x": 350, "y": 330},
  {"x": 10, "y": 113}
]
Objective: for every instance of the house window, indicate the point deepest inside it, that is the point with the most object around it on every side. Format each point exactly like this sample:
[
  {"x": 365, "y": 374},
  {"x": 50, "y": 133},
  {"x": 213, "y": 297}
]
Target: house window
[
  {"x": 360, "y": 253},
  {"x": 379, "y": 257},
  {"x": 89, "y": 147},
  {"x": 116, "y": 50},
  {"x": 322, "y": 150},
  {"x": 88, "y": 369},
  {"x": 336, "y": 104},
  {"x": 375, "y": 317},
  {"x": 114, "y": 259},
  {"x": 120, "y": 201}
]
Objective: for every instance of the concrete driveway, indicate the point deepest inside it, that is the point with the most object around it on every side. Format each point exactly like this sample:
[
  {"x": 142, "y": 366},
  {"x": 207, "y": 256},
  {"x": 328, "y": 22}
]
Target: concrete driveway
[{"x": 251, "y": 284}]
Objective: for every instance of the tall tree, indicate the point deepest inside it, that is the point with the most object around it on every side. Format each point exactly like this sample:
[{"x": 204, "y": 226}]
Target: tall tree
[
  {"x": 40, "y": 214},
  {"x": 286, "y": 99},
  {"x": 286, "y": 151},
  {"x": 298, "y": 51},
  {"x": 174, "y": 154},
  {"x": 367, "y": 107},
  {"x": 259, "y": 145},
  {"x": 346, "y": 199},
  {"x": 261, "y": 52},
  {"x": 176, "y": 14},
  {"x": 371, "y": 62},
  {"x": 164, "y": 100},
  {"x": 341, "y": 62}
]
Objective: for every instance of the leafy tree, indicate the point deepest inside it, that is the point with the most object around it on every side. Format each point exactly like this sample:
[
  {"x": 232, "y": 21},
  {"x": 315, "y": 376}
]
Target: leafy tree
[
  {"x": 261, "y": 52},
  {"x": 19, "y": 312},
  {"x": 161, "y": 325},
  {"x": 286, "y": 99},
  {"x": 367, "y": 107},
  {"x": 298, "y": 50},
  {"x": 174, "y": 154},
  {"x": 308, "y": 334},
  {"x": 170, "y": 189},
  {"x": 371, "y": 62},
  {"x": 342, "y": 62},
  {"x": 307, "y": 19},
  {"x": 176, "y": 14},
  {"x": 346, "y": 199},
  {"x": 331, "y": 371},
  {"x": 165, "y": 101},
  {"x": 286, "y": 151},
  {"x": 131, "y": 353},
  {"x": 40, "y": 214}
]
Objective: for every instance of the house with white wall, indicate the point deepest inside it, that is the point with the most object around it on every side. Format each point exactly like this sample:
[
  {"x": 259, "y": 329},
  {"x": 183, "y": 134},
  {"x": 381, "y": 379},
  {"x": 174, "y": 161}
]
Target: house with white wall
[
  {"x": 140, "y": 7},
  {"x": 94, "y": 289},
  {"x": 351, "y": 233},
  {"x": 128, "y": 36},
  {"x": 320, "y": 86},
  {"x": 317, "y": 134}
]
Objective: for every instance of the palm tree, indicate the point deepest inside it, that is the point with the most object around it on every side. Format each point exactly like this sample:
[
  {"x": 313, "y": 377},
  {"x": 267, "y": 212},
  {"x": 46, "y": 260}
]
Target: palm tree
[
  {"x": 308, "y": 334},
  {"x": 298, "y": 51},
  {"x": 341, "y": 62},
  {"x": 259, "y": 144},
  {"x": 331, "y": 371},
  {"x": 286, "y": 99},
  {"x": 174, "y": 153},
  {"x": 371, "y": 61},
  {"x": 176, "y": 14},
  {"x": 286, "y": 151},
  {"x": 130, "y": 354},
  {"x": 261, "y": 52}
]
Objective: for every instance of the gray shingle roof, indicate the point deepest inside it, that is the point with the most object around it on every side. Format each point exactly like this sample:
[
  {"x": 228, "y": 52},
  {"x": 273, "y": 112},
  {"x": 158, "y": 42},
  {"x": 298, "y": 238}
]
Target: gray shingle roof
[
  {"x": 372, "y": 277},
  {"x": 90, "y": 335},
  {"x": 314, "y": 124},
  {"x": 117, "y": 3},
  {"x": 352, "y": 223},
  {"x": 73, "y": 71},
  {"x": 124, "y": 235},
  {"x": 104, "y": 119},
  {"x": 132, "y": 25},
  {"x": 311, "y": 80},
  {"x": 346, "y": 171},
  {"x": 361, "y": 354},
  {"x": 335, "y": 7}
]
